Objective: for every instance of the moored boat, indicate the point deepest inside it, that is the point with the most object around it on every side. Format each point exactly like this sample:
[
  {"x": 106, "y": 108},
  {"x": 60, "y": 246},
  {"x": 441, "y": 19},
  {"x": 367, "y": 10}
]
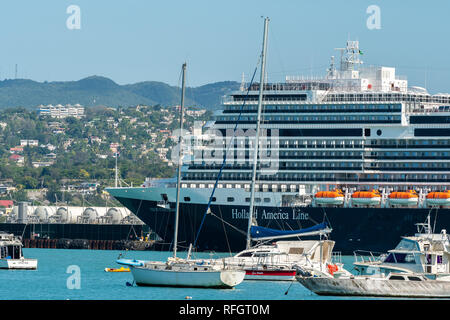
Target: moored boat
[
  {"x": 11, "y": 255},
  {"x": 426, "y": 253},
  {"x": 280, "y": 260},
  {"x": 178, "y": 272},
  {"x": 393, "y": 285}
]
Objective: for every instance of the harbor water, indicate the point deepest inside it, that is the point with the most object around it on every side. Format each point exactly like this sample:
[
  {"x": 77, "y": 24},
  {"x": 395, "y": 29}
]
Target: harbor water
[{"x": 71, "y": 274}]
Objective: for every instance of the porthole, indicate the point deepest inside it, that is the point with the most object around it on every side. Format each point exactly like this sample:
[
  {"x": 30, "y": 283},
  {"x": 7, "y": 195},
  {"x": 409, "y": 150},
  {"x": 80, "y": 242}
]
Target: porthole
[{"x": 379, "y": 132}]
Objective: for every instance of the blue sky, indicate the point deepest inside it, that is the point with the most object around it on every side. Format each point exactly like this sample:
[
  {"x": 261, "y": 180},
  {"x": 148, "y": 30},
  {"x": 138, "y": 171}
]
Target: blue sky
[{"x": 139, "y": 40}]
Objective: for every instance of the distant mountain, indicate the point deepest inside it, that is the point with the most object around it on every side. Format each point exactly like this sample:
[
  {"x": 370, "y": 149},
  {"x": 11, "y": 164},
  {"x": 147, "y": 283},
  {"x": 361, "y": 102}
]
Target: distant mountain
[{"x": 96, "y": 90}]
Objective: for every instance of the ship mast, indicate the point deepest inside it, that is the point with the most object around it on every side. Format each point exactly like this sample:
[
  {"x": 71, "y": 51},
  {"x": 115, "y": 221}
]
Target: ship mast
[
  {"x": 180, "y": 154},
  {"x": 258, "y": 121}
]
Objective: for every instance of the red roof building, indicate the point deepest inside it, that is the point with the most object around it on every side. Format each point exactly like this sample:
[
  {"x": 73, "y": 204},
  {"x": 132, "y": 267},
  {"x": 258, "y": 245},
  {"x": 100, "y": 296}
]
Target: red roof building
[{"x": 6, "y": 203}]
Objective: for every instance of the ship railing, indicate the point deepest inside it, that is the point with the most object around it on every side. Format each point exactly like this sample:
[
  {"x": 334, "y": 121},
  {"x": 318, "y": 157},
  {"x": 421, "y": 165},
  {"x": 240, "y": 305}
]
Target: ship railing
[
  {"x": 364, "y": 256},
  {"x": 336, "y": 257}
]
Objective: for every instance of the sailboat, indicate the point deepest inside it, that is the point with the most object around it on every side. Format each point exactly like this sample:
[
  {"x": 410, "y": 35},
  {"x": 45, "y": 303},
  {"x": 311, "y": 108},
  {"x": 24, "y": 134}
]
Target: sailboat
[
  {"x": 282, "y": 259},
  {"x": 178, "y": 272}
]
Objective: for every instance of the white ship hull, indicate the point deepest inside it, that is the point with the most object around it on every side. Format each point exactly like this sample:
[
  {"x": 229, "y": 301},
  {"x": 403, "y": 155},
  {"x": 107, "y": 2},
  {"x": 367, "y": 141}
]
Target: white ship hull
[
  {"x": 376, "y": 287},
  {"x": 273, "y": 275},
  {"x": 26, "y": 264},
  {"x": 145, "y": 276}
]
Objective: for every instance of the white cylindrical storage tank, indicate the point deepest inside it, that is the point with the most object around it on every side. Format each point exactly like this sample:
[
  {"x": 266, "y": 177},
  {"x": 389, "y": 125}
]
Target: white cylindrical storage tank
[
  {"x": 116, "y": 215},
  {"x": 90, "y": 215},
  {"x": 41, "y": 213},
  {"x": 61, "y": 215}
]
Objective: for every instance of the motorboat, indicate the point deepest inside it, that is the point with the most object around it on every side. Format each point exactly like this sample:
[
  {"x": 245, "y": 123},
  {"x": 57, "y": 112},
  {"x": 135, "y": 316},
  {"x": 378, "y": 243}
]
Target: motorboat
[
  {"x": 334, "y": 197},
  {"x": 393, "y": 285},
  {"x": 438, "y": 198},
  {"x": 369, "y": 198},
  {"x": 11, "y": 254},
  {"x": 403, "y": 198},
  {"x": 426, "y": 252}
]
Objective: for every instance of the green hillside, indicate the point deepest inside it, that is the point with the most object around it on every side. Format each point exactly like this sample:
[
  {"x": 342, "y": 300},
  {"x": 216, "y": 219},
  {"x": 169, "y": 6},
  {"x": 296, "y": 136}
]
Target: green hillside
[{"x": 96, "y": 90}]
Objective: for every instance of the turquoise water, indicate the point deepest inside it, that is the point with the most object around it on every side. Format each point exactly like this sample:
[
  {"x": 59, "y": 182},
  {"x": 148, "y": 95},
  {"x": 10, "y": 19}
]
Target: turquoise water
[{"x": 54, "y": 280}]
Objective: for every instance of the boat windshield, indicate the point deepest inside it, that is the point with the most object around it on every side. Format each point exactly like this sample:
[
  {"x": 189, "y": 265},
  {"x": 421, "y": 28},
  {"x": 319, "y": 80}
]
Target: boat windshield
[
  {"x": 10, "y": 252},
  {"x": 407, "y": 245},
  {"x": 400, "y": 258}
]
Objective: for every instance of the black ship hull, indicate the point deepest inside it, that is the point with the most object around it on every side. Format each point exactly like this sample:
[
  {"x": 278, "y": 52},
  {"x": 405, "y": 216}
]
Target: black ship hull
[{"x": 224, "y": 230}]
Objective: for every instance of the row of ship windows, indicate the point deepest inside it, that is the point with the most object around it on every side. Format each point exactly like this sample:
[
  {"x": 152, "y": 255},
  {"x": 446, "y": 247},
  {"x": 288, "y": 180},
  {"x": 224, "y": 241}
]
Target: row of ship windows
[
  {"x": 309, "y": 119},
  {"x": 409, "y": 165},
  {"x": 214, "y": 199},
  {"x": 300, "y": 176},
  {"x": 358, "y": 154},
  {"x": 322, "y": 177},
  {"x": 247, "y": 163},
  {"x": 359, "y": 143},
  {"x": 340, "y": 166},
  {"x": 246, "y": 187},
  {"x": 319, "y": 108},
  {"x": 385, "y": 143},
  {"x": 404, "y": 154}
]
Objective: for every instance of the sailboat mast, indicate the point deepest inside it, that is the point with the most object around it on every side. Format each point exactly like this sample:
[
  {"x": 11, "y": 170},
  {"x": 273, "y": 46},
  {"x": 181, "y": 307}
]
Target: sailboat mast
[
  {"x": 258, "y": 121},
  {"x": 180, "y": 154}
]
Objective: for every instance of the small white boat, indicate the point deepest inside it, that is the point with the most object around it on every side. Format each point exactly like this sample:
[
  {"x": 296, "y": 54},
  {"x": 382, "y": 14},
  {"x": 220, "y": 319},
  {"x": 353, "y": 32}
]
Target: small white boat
[
  {"x": 11, "y": 256},
  {"x": 178, "y": 272},
  {"x": 329, "y": 197},
  {"x": 393, "y": 285},
  {"x": 419, "y": 267},
  {"x": 426, "y": 252},
  {"x": 369, "y": 198},
  {"x": 438, "y": 198},
  {"x": 403, "y": 198}
]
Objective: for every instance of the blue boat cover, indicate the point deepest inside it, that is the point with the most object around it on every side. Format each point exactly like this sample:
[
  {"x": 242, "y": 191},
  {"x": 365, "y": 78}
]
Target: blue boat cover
[
  {"x": 130, "y": 262},
  {"x": 261, "y": 232}
]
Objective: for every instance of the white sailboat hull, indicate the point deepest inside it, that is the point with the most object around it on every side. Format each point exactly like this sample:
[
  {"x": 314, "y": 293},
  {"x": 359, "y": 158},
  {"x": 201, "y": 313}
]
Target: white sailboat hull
[
  {"x": 144, "y": 276},
  {"x": 26, "y": 264},
  {"x": 376, "y": 287}
]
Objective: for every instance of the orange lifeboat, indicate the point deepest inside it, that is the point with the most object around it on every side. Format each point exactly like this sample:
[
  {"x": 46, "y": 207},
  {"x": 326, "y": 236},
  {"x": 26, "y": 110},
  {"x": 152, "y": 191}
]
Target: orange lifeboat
[
  {"x": 409, "y": 197},
  {"x": 329, "y": 197},
  {"x": 366, "y": 197},
  {"x": 438, "y": 198}
]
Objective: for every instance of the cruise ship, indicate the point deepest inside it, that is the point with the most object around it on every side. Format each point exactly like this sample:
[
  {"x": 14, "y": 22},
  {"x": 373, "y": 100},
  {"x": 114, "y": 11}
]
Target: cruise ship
[{"x": 358, "y": 148}]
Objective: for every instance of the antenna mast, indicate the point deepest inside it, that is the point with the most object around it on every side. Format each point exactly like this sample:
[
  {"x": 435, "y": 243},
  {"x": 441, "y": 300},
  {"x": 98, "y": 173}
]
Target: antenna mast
[
  {"x": 258, "y": 121},
  {"x": 180, "y": 155}
]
